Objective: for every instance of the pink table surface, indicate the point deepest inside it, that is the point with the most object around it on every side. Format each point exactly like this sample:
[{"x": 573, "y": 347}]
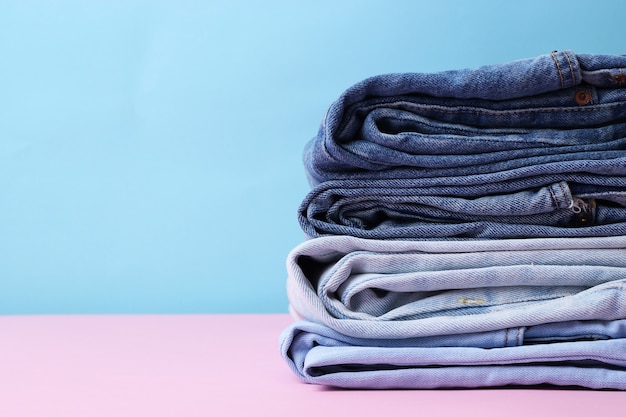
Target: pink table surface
[{"x": 216, "y": 365}]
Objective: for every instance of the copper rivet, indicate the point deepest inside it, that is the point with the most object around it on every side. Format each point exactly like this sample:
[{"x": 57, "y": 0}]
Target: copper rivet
[{"x": 582, "y": 97}]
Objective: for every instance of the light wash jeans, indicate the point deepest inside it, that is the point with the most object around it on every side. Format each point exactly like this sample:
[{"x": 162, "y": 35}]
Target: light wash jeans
[
  {"x": 423, "y": 314},
  {"x": 530, "y": 148},
  {"x": 589, "y": 354},
  {"x": 397, "y": 289}
]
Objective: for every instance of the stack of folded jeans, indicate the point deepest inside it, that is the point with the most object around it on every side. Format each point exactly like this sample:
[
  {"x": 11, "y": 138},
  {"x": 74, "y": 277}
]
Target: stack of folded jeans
[{"x": 467, "y": 229}]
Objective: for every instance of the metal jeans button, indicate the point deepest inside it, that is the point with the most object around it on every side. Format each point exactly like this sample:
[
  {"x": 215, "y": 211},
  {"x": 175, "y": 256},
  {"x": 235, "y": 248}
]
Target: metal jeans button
[{"x": 582, "y": 97}]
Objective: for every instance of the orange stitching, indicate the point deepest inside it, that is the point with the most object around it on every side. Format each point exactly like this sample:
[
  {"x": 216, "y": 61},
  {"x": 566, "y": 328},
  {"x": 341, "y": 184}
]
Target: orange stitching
[
  {"x": 621, "y": 78},
  {"x": 558, "y": 67},
  {"x": 571, "y": 69}
]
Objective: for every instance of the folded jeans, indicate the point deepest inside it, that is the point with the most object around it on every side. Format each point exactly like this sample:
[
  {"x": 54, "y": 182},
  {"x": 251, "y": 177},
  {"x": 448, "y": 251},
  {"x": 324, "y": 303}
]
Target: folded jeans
[
  {"x": 389, "y": 289},
  {"x": 580, "y": 354},
  {"x": 549, "y": 110},
  {"x": 466, "y": 229},
  {"x": 492, "y": 207},
  {"x": 529, "y": 148}
]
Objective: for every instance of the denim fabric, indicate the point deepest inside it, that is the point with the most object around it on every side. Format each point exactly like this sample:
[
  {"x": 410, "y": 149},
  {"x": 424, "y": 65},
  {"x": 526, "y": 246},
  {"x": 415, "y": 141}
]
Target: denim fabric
[
  {"x": 466, "y": 229},
  {"x": 549, "y": 109},
  {"x": 489, "y": 207},
  {"x": 531, "y": 148},
  {"x": 587, "y": 354},
  {"x": 402, "y": 289}
]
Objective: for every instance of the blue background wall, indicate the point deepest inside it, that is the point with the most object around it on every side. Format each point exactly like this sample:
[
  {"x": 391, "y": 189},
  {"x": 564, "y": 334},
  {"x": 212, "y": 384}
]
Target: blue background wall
[{"x": 150, "y": 151}]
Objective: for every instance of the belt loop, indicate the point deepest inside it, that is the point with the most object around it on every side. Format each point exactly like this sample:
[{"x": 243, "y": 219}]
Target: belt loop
[{"x": 568, "y": 68}]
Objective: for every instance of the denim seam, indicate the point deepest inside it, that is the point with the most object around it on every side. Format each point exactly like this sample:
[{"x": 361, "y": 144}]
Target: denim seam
[
  {"x": 570, "y": 67},
  {"x": 518, "y": 342},
  {"x": 505, "y": 113},
  {"x": 558, "y": 67},
  {"x": 530, "y": 360},
  {"x": 563, "y": 190},
  {"x": 556, "y": 202},
  {"x": 572, "y": 337}
]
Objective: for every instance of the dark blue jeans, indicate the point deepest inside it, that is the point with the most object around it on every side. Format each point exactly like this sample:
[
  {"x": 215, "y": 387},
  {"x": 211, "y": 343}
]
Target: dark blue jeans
[{"x": 530, "y": 148}]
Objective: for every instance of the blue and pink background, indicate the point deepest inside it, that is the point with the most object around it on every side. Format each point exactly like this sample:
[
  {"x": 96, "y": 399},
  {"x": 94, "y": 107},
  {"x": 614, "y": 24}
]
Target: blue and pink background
[{"x": 150, "y": 151}]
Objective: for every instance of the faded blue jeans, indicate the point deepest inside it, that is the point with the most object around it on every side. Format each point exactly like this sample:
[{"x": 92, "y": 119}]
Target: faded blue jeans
[
  {"x": 421, "y": 314},
  {"x": 588, "y": 354},
  {"x": 530, "y": 148},
  {"x": 397, "y": 289}
]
